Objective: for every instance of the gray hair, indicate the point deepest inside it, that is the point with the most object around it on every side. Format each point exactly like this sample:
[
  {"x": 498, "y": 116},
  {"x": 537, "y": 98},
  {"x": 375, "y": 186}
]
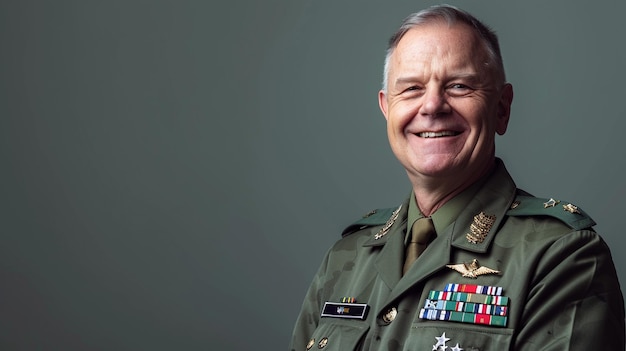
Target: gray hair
[{"x": 451, "y": 15}]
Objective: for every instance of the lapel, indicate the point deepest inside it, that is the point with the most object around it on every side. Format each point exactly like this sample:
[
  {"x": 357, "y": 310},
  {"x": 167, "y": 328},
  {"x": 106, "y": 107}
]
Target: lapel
[
  {"x": 389, "y": 262},
  {"x": 434, "y": 258},
  {"x": 494, "y": 198}
]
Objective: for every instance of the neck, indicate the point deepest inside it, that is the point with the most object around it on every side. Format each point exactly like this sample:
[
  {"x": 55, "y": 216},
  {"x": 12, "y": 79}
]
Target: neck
[{"x": 433, "y": 192}]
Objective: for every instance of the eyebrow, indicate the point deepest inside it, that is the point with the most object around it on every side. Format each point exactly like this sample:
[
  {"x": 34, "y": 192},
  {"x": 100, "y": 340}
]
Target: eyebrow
[
  {"x": 403, "y": 80},
  {"x": 473, "y": 77}
]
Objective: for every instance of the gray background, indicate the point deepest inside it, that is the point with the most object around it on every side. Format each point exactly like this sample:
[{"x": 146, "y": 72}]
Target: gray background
[{"x": 173, "y": 172}]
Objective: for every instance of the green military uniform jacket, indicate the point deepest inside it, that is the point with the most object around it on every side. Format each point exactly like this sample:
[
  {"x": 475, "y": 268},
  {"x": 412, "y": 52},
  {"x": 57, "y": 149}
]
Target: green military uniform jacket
[{"x": 559, "y": 289}]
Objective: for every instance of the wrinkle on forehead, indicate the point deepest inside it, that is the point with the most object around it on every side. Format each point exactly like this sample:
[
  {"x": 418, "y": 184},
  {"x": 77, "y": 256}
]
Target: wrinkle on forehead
[{"x": 437, "y": 50}]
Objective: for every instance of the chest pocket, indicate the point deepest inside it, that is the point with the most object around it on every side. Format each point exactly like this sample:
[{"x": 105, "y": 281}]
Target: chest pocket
[
  {"x": 455, "y": 336},
  {"x": 333, "y": 334}
]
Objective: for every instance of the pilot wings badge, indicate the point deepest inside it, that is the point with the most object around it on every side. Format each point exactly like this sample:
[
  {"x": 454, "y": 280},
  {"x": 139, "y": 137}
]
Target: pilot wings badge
[{"x": 472, "y": 269}]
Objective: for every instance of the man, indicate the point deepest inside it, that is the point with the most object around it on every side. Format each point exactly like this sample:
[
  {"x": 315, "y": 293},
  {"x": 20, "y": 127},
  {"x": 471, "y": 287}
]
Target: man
[{"x": 468, "y": 261}]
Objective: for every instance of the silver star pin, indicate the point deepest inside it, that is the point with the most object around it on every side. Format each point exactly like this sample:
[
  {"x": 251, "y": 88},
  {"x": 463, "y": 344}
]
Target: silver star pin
[
  {"x": 456, "y": 348},
  {"x": 441, "y": 342}
]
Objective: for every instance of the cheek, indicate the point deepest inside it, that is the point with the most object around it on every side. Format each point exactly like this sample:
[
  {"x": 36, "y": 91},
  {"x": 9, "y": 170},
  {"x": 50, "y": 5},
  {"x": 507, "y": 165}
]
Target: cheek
[
  {"x": 481, "y": 119},
  {"x": 485, "y": 134},
  {"x": 401, "y": 116}
]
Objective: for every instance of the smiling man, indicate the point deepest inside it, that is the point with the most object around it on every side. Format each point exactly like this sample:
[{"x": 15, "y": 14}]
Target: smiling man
[
  {"x": 468, "y": 261},
  {"x": 444, "y": 100}
]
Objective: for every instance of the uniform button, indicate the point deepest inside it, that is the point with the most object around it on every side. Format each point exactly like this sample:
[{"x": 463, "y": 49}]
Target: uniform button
[
  {"x": 310, "y": 344},
  {"x": 322, "y": 343},
  {"x": 390, "y": 315}
]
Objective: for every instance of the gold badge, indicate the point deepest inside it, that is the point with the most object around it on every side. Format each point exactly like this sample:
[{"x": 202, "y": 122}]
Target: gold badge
[
  {"x": 383, "y": 231},
  {"x": 479, "y": 229},
  {"x": 571, "y": 208},
  {"x": 322, "y": 343},
  {"x": 551, "y": 203},
  {"x": 310, "y": 344},
  {"x": 515, "y": 204},
  {"x": 472, "y": 269}
]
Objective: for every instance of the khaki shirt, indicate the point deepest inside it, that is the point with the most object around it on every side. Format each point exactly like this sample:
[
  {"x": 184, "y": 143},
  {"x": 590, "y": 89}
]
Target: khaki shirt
[
  {"x": 446, "y": 214},
  {"x": 558, "y": 282}
]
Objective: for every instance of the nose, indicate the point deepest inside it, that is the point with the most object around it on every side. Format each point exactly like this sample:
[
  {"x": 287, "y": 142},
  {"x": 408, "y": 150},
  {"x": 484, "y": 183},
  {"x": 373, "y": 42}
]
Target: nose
[{"x": 434, "y": 103}]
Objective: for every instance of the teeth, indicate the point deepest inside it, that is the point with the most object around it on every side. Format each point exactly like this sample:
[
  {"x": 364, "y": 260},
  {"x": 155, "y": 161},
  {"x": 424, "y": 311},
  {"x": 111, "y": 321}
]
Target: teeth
[{"x": 436, "y": 134}]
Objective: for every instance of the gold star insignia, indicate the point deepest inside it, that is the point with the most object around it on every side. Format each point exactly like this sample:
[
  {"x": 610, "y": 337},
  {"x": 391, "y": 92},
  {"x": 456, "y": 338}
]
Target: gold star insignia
[
  {"x": 551, "y": 203},
  {"x": 571, "y": 208},
  {"x": 472, "y": 269}
]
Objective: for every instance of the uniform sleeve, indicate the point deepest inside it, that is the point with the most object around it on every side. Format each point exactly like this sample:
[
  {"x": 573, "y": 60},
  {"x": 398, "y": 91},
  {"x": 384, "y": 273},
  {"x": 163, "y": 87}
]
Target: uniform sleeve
[
  {"x": 309, "y": 316},
  {"x": 575, "y": 301}
]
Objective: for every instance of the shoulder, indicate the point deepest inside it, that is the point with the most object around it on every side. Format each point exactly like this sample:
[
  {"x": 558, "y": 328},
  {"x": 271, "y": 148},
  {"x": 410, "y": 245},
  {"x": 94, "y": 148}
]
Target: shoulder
[
  {"x": 373, "y": 218},
  {"x": 566, "y": 212}
]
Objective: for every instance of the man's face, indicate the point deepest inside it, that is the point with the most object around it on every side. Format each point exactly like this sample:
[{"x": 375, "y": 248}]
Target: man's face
[{"x": 443, "y": 104}]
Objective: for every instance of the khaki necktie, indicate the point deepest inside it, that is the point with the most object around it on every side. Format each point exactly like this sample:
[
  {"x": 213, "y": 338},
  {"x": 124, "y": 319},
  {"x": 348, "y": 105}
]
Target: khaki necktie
[{"x": 421, "y": 235}]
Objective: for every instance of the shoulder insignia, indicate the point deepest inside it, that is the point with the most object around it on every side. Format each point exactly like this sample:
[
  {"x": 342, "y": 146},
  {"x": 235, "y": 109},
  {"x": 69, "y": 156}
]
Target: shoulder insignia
[
  {"x": 371, "y": 219},
  {"x": 569, "y": 214}
]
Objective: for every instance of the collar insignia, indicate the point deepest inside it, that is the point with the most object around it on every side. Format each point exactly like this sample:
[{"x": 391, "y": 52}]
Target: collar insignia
[
  {"x": 479, "y": 229},
  {"x": 385, "y": 229}
]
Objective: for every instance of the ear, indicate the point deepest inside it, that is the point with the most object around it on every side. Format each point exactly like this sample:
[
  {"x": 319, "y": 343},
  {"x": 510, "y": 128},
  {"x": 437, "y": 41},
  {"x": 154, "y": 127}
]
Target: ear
[
  {"x": 504, "y": 108},
  {"x": 382, "y": 103}
]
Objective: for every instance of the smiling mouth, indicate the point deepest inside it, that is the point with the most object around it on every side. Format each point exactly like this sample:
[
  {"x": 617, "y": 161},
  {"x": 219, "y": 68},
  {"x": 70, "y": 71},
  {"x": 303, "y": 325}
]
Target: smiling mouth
[{"x": 437, "y": 134}]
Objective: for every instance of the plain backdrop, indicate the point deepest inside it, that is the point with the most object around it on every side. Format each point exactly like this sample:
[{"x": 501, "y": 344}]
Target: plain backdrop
[{"x": 174, "y": 171}]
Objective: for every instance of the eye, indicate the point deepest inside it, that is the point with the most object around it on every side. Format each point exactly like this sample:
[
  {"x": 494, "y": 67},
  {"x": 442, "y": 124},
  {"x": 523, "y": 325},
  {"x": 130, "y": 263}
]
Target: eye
[
  {"x": 459, "y": 89},
  {"x": 412, "y": 89}
]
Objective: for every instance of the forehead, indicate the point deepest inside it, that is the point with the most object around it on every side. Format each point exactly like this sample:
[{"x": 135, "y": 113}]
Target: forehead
[{"x": 441, "y": 44}]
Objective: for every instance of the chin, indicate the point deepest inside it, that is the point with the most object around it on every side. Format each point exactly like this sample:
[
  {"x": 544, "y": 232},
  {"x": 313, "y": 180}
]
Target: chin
[
  {"x": 434, "y": 170},
  {"x": 437, "y": 165}
]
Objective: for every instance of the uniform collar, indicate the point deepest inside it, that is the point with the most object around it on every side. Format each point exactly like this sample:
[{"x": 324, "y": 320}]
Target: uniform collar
[
  {"x": 492, "y": 196},
  {"x": 397, "y": 227},
  {"x": 446, "y": 214}
]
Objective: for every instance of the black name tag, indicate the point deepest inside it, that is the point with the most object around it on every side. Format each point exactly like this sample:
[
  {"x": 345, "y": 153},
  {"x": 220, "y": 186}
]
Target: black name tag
[{"x": 345, "y": 310}]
